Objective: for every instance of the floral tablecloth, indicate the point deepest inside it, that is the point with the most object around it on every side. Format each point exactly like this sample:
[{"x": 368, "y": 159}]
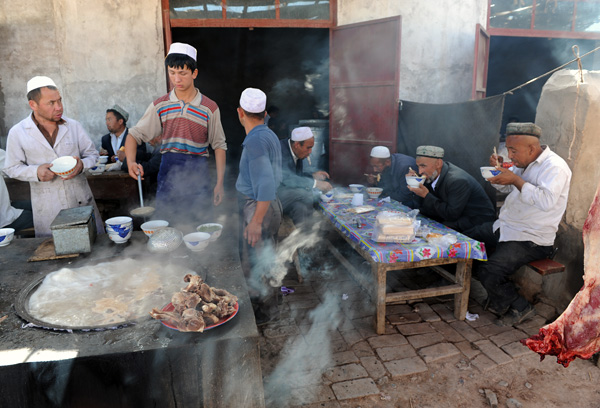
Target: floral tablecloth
[{"x": 359, "y": 227}]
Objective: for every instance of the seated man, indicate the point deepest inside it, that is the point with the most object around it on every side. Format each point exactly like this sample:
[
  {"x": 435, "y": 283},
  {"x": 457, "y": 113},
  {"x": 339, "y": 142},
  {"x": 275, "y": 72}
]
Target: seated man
[
  {"x": 538, "y": 188},
  {"x": 112, "y": 142},
  {"x": 12, "y": 215},
  {"x": 451, "y": 195},
  {"x": 390, "y": 171},
  {"x": 296, "y": 189}
]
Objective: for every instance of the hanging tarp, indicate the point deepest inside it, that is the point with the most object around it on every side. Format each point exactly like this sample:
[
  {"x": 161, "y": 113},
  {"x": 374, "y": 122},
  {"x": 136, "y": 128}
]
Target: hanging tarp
[{"x": 468, "y": 131}]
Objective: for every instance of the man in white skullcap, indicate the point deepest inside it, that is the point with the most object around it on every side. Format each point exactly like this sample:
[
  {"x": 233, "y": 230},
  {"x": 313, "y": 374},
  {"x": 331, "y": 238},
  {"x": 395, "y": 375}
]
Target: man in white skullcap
[
  {"x": 36, "y": 141},
  {"x": 451, "y": 195},
  {"x": 186, "y": 122},
  {"x": 260, "y": 210},
  {"x": 538, "y": 190},
  {"x": 113, "y": 143},
  {"x": 296, "y": 188},
  {"x": 389, "y": 171}
]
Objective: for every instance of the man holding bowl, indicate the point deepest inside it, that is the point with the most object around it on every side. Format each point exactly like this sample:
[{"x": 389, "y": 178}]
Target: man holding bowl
[
  {"x": 36, "y": 141},
  {"x": 451, "y": 195}
]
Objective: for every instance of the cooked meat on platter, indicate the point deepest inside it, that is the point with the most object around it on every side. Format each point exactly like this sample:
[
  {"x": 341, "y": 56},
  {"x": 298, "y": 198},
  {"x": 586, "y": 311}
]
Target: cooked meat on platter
[
  {"x": 197, "y": 306},
  {"x": 576, "y": 333}
]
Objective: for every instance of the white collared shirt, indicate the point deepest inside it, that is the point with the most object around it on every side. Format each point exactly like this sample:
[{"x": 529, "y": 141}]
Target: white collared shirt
[
  {"x": 115, "y": 141},
  {"x": 296, "y": 159},
  {"x": 533, "y": 214},
  {"x": 8, "y": 213}
]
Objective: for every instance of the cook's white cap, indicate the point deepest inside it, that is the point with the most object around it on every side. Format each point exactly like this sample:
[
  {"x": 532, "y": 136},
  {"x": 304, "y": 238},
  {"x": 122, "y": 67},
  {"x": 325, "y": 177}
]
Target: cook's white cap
[
  {"x": 39, "y": 82},
  {"x": 253, "y": 100},
  {"x": 182, "y": 48},
  {"x": 380, "y": 152},
  {"x": 301, "y": 134}
]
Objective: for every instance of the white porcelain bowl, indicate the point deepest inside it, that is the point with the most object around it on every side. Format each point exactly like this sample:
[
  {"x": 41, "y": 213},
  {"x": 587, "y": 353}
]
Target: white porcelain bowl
[
  {"x": 197, "y": 241},
  {"x": 489, "y": 172},
  {"x": 63, "y": 166},
  {"x": 415, "y": 181},
  {"x": 150, "y": 227},
  {"x": 6, "y": 235},
  {"x": 211, "y": 229},
  {"x": 356, "y": 188},
  {"x": 103, "y": 159},
  {"x": 374, "y": 192}
]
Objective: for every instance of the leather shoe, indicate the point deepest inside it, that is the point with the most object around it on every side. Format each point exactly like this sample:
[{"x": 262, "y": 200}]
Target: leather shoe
[{"x": 516, "y": 317}]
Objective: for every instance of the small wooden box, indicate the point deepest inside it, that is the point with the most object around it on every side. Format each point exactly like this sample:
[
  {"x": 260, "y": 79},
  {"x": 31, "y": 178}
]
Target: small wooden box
[{"x": 74, "y": 230}]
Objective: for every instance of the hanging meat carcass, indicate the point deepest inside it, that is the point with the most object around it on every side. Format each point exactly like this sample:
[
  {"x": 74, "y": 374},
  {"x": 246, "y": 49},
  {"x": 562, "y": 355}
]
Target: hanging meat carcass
[{"x": 576, "y": 333}]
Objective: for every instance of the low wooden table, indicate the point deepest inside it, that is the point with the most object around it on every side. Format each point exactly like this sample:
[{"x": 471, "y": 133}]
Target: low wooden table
[
  {"x": 146, "y": 364},
  {"x": 383, "y": 258}
]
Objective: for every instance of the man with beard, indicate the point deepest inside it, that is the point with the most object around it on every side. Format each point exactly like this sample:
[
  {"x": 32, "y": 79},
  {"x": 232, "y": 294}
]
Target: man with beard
[
  {"x": 35, "y": 142},
  {"x": 451, "y": 195},
  {"x": 389, "y": 173}
]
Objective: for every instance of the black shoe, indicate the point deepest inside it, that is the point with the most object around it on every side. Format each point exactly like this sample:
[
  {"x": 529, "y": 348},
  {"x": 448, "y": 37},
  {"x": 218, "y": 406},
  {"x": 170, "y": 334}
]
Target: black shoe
[
  {"x": 516, "y": 317},
  {"x": 495, "y": 310}
]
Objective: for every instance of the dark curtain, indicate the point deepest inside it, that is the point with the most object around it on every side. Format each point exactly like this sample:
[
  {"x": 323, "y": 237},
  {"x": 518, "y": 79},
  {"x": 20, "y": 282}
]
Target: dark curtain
[{"x": 468, "y": 131}]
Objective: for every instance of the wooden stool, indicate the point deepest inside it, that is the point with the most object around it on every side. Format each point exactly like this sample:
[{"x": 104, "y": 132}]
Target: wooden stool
[{"x": 546, "y": 266}]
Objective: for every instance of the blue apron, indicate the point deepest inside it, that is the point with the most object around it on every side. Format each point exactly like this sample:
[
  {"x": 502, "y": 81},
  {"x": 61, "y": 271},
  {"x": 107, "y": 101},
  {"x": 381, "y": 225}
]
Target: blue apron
[{"x": 184, "y": 190}]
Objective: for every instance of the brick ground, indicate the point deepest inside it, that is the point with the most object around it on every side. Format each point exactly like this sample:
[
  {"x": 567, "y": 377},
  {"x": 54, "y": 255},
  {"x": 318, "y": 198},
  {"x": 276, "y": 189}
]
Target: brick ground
[{"x": 348, "y": 361}]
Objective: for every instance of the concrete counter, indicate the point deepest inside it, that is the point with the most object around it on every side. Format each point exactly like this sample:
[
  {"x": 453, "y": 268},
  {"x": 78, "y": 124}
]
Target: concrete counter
[{"x": 146, "y": 364}]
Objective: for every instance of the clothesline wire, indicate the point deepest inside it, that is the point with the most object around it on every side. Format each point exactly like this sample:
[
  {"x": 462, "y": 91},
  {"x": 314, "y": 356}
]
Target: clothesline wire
[{"x": 552, "y": 71}]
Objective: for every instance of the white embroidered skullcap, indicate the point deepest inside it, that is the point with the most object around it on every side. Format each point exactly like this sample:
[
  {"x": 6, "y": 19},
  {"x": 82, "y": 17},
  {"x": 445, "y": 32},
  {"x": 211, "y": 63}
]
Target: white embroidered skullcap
[
  {"x": 39, "y": 82},
  {"x": 380, "y": 152},
  {"x": 181, "y": 48},
  {"x": 253, "y": 100},
  {"x": 301, "y": 134}
]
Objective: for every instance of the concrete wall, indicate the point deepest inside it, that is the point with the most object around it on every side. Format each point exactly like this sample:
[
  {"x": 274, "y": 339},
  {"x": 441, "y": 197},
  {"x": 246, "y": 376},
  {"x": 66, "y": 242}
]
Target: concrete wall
[
  {"x": 569, "y": 116},
  {"x": 98, "y": 53},
  {"x": 437, "y": 43}
]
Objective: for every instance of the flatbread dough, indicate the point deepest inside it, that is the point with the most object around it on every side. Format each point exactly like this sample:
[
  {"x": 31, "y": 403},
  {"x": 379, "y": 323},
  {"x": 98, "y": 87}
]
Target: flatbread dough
[{"x": 107, "y": 293}]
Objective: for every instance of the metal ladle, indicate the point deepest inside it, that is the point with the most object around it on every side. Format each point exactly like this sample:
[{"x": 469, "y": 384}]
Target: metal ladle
[
  {"x": 142, "y": 211},
  {"x": 140, "y": 189}
]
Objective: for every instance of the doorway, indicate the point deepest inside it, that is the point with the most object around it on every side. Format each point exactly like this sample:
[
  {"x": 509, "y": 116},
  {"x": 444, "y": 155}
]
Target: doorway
[{"x": 291, "y": 65}]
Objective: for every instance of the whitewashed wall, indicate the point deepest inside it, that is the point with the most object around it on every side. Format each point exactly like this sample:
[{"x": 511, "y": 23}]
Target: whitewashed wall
[
  {"x": 437, "y": 44},
  {"x": 98, "y": 53}
]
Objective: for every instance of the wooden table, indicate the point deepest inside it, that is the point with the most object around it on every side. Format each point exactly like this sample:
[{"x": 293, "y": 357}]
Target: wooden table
[
  {"x": 357, "y": 230},
  {"x": 146, "y": 364},
  {"x": 115, "y": 187}
]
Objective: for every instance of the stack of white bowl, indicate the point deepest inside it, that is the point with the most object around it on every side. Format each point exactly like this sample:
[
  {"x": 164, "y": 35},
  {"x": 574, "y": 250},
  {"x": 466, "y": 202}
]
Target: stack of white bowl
[{"x": 119, "y": 229}]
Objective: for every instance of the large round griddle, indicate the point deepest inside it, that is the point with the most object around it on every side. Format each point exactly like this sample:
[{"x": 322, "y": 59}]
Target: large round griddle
[{"x": 22, "y": 309}]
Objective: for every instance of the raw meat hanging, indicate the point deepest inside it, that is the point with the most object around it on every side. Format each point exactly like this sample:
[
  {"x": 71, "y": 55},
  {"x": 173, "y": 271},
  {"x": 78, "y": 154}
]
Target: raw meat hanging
[{"x": 576, "y": 333}]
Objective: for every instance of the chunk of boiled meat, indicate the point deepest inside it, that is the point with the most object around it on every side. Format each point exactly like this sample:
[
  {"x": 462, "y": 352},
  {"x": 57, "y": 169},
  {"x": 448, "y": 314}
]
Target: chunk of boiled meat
[{"x": 576, "y": 333}]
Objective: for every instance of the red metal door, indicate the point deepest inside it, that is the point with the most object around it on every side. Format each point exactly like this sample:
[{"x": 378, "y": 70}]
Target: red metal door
[
  {"x": 364, "y": 89},
  {"x": 480, "y": 65}
]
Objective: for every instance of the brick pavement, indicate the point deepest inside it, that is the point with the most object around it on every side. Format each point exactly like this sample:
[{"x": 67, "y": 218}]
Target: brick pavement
[{"x": 326, "y": 349}]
